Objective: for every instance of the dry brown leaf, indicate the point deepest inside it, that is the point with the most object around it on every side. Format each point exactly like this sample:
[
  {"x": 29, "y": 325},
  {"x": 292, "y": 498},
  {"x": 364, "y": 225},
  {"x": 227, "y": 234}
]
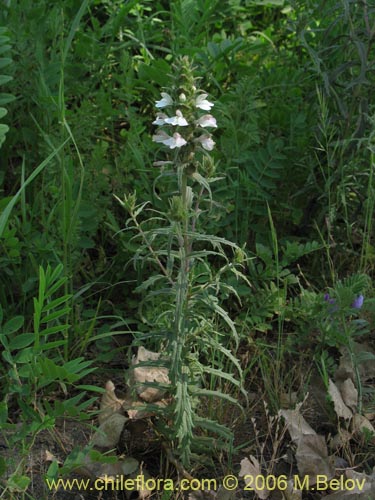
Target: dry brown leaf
[
  {"x": 296, "y": 424},
  {"x": 109, "y": 432},
  {"x": 252, "y": 468},
  {"x": 312, "y": 458},
  {"x": 290, "y": 493},
  {"x": 349, "y": 393},
  {"x": 141, "y": 412},
  {"x": 359, "y": 423},
  {"x": 144, "y": 374},
  {"x": 342, "y": 411},
  {"x": 109, "y": 403},
  {"x": 288, "y": 400},
  {"x": 220, "y": 494},
  {"x": 341, "y": 439},
  {"x": 49, "y": 457},
  {"x": 361, "y": 487},
  {"x": 366, "y": 367}
]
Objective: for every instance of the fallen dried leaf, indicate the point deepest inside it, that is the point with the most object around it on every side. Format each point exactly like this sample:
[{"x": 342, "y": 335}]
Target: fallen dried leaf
[
  {"x": 49, "y": 457},
  {"x": 342, "y": 411},
  {"x": 359, "y": 423},
  {"x": 252, "y": 468},
  {"x": 296, "y": 424},
  {"x": 146, "y": 374},
  {"x": 312, "y": 458},
  {"x": 362, "y": 487},
  {"x": 290, "y": 493},
  {"x": 109, "y": 432},
  {"x": 349, "y": 393},
  {"x": 109, "y": 403}
]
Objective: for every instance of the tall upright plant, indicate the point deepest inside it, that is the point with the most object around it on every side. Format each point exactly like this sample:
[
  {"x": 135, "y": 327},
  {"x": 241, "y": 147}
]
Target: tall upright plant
[{"x": 192, "y": 328}]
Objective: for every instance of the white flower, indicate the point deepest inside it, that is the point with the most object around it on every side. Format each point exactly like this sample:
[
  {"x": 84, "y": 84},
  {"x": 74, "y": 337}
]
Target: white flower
[
  {"x": 182, "y": 97},
  {"x": 160, "y": 136},
  {"x": 176, "y": 141},
  {"x": 160, "y": 119},
  {"x": 207, "y": 121},
  {"x": 206, "y": 141},
  {"x": 165, "y": 101},
  {"x": 202, "y": 103},
  {"x": 161, "y": 163},
  {"x": 177, "y": 120}
]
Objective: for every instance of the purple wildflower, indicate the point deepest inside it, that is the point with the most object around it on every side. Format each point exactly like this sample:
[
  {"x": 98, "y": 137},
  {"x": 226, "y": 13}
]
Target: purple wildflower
[
  {"x": 358, "y": 302},
  {"x": 328, "y": 299}
]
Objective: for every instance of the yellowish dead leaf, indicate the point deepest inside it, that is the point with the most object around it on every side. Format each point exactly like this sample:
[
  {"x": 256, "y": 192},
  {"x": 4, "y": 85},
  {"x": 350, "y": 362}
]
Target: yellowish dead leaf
[
  {"x": 360, "y": 487},
  {"x": 288, "y": 400},
  {"x": 296, "y": 424},
  {"x": 349, "y": 393},
  {"x": 359, "y": 423},
  {"x": 312, "y": 458},
  {"x": 146, "y": 374},
  {"x": 109, "y": 403},
  {"x": 290, "y": 493},
  {"x": 49, "y": 457},
  {"x": 342, "y": 411},
  {"x": 340, "y": 440},
  {"x": 252, "y": 468},
  {"x": 109, "y": 432}
]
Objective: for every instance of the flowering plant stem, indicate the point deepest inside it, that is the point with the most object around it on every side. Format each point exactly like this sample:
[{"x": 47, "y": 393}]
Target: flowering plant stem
[{"x": 190, "y": 313}]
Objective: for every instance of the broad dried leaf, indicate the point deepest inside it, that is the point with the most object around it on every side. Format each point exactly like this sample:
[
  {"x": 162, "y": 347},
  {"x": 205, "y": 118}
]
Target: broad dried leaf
[
  {"x": 342, "y": 411},
  {"x": 252, "y": 468},
  {"x": 49, "y": 457},
  {"x": 359, "y": 423},
  {"x": 149, "y": 374},
  {"x": 120, "y": 467},
  {"x": 366, "y": 366},
  {"x": 109, "y": 432},
  {"x": 136, "y": 414},
  {"x": 363, "y": 487},
  {"x": 288, "y": 400},
  {"x": 220, "y": 494},
  {"x": 349, "y": 393},
  {"x": 341, "y": 439},
  {"x": 296, "y": 424},
  {"x": 109, "y": 403},
  {"x": 312, "y": 458},
  {"x": 290, "y": 493}
]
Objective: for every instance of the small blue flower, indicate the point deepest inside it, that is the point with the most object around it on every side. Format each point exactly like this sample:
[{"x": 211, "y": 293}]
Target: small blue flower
[
  {"x": 328, "y": 299},
  {"x": 358, "y": 302}
]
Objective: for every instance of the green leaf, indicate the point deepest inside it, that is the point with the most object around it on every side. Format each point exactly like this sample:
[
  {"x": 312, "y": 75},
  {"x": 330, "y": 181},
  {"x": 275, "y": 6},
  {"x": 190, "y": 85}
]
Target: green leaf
[
  {"x": 56, "y": 314},
  {"x": 13, "y": 325},
  {"x": 54, "y": 329},
  {"x": 5, "y": 79},
  {"x": 3, "y": 414},
  {"x": 24, "y": 356},
  {"x": 6, "y": 212},
  {"x": 5, "y": 61},
  {"x": 92, "y": 388},
  {"x": 51, "y": 290},
  {"x": 5, "y": 48},
  {"x": 216, "y": 394},
  {"x": 21, "y": 341},
  {"x": 3, "y": 129},
  {"x": 3, "y": 466},
  {"x": 6, "y": 98},
  {"x": 56, "y": 302},
  {"x": 18, "y": 484}
]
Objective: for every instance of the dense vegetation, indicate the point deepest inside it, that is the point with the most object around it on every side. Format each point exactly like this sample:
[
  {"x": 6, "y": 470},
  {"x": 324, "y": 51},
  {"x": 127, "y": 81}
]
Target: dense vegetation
[{"x": 235, "y": 268}]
